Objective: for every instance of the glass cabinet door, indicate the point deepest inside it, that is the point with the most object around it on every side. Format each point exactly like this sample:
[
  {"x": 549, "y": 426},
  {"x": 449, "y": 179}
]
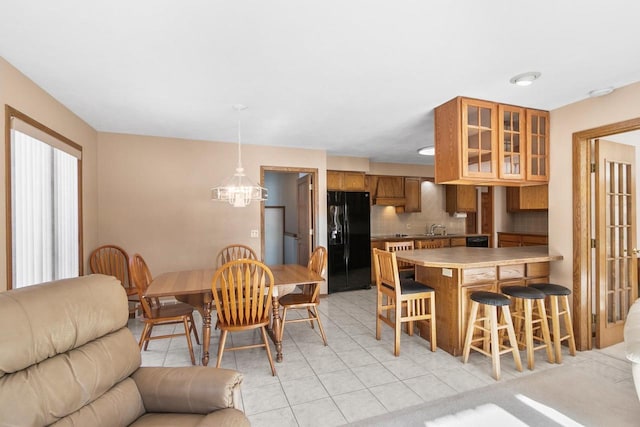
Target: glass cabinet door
[
  {"x": 511, "y": 142},
  {"x": 538, "y": 145},
  {"x": 479, "y": 135}
]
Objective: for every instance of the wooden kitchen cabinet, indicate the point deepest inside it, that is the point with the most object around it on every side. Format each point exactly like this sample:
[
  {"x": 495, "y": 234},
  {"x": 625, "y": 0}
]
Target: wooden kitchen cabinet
[
  {"x": 460, "y": 198},
  {"x": 412, "y": 194},
  {"x": 521, "y": 239},
  {"x": 532, "y": 198},
  {"x": 346, "y": 181},
  {"x": 485, "y": 142},
  {"x": 390, "y": 187},
  {"x": 511, "y": 138},
  {"x": 538, "y": 145}
]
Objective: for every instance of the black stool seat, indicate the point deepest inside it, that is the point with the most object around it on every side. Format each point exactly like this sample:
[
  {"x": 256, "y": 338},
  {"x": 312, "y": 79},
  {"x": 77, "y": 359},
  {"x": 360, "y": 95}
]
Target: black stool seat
[
  {"x": 552, "y": 289},
  {"x": 409, "y": 286},
  {"x": 490, "y": 298},
  {"x": 524, "y": 292}
]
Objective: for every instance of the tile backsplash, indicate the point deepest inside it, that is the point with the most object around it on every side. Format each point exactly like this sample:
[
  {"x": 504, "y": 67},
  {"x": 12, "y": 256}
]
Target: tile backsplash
[{"x": 385, "y": 220}]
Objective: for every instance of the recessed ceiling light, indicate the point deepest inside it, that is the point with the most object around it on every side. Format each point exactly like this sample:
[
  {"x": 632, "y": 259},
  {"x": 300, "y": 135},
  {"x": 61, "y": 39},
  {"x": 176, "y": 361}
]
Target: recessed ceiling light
[
  {"x": 601, "y": 92},
  {"x": 427, "y": 151},
  {"x": 525, "y": 79}
]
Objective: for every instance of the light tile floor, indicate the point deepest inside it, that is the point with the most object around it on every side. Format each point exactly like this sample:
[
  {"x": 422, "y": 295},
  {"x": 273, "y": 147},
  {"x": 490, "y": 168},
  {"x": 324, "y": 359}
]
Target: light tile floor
[{"x": 355, "y": 377}]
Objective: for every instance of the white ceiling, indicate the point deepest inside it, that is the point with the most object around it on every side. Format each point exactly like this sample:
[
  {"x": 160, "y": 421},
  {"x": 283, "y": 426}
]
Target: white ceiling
[{"x": 354, "y": 77}]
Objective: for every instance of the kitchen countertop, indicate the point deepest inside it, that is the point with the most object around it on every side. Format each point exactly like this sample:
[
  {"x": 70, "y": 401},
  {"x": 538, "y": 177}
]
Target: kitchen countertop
[
  {"x": 422, "y": 236},
  {"x": 528, "y": 233},
  {"x": 464, "y": 257}
]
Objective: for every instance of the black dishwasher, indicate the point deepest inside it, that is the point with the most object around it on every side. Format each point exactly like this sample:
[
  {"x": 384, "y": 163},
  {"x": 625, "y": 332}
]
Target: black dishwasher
[{"x": 478, "y": 241}]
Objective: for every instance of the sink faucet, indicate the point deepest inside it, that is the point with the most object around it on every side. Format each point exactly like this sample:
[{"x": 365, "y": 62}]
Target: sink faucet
[{"x": 437, "y": 229}]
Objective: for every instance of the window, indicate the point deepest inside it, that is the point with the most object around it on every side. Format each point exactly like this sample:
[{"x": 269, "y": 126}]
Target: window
[{"x": 44, "y": 221}]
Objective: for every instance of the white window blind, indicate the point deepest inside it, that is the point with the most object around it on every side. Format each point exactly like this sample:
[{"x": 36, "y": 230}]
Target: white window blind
[{"x": 44, "y": 207}]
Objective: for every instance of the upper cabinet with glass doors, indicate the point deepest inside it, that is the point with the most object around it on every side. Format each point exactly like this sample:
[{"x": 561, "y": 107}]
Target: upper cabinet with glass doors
[{"x": 489, "y": 143}]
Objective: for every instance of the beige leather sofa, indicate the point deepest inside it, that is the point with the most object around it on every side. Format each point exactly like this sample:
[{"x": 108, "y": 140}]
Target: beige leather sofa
[
  {"x": 67, "y": 358},
  {"x": 632, "y": 342}
]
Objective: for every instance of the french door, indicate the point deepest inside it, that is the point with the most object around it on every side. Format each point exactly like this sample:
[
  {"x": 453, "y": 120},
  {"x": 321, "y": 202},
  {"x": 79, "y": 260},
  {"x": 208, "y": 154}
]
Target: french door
[{"x": 615, "y": 284}]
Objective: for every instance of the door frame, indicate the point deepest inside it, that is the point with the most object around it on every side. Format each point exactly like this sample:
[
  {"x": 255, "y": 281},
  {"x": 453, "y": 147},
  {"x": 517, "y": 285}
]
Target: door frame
[
  {"x": 314, "y": 211},
  {"x": 582, "y": 274}
]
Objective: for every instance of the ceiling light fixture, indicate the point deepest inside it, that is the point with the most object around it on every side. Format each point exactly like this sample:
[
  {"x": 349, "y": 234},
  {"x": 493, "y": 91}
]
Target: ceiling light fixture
[
  {"x": 525, "y": 79},
  {"x": 427, "y": 151},
  {"x": 601, "y": 92},
  {"x": 238, "y": 190}
]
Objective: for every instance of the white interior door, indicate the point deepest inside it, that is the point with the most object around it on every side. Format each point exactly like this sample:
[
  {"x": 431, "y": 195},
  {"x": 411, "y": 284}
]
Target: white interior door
[{"x": 274, "y": 235}]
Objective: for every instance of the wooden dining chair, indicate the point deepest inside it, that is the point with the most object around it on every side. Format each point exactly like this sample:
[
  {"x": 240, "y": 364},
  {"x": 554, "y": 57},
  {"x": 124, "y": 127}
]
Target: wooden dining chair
[
  {"x": 226, "y": 254},
  {"x": 234, "y": 252},
  {"x": 406, "y": 270},
  {"x": 242, "y": 291},
  {"x": 158, "y": 314},
  {"x": 113, "y": 261},
  {"x": 394, "y": 295},
  {"x": 309, "y": 298},
  {"x": 430, "y": 244}
]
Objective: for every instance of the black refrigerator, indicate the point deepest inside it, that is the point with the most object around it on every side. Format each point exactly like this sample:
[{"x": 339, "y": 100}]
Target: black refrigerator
[{"x": 349, "y": 240}]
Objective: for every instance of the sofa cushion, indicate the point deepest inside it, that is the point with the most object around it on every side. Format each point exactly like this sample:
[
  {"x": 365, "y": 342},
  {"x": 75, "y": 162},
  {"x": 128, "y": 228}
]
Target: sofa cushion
[
  {"x": 65, "y": 344},
  {"x": 119, "y": 406},
  {"x": 44, "y": 320}
]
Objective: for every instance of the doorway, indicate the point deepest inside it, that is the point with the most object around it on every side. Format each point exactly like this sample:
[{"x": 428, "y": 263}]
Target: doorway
[
  {"x": 295, "y": 190},
  {"x": 604, "y": 265}
]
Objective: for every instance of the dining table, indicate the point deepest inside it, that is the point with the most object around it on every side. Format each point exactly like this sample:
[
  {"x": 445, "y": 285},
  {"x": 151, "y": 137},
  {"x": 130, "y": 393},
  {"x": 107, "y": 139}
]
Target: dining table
[{"x": 194, "y": 287}]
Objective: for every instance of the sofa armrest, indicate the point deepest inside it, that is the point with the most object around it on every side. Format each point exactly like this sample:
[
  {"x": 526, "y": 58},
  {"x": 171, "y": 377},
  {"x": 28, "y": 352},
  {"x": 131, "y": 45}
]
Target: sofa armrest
[
  {"x": 194, "y": 389},
  {"x": 632, "y": 333}
]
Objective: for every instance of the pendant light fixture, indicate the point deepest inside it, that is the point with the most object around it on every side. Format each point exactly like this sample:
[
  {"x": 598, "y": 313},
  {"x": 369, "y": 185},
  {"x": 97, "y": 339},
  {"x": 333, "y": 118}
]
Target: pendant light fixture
[{"x": 238, "y": 190}]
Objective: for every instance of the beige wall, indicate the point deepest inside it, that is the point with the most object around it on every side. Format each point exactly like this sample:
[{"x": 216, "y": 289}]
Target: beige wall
[
  {"x": 623, "y": 104},
  {"x": 22, "y": 94},
  {"x": 154, "y": 196}
]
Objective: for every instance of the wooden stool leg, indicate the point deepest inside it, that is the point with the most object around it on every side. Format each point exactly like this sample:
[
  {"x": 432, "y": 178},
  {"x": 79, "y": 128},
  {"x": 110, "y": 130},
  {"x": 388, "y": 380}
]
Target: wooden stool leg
[
  {"x": 528, "y": 332},
  {"x": 545, "y": 330},
  {"x": 555, "y": 326},
  {"x": 512, "y": 337},
  {"x": 568, "y": 324},
  {"x": 470, "y": 329},
  {"x": 495, "y": 346},
  {"x": 432, "y": 321}
]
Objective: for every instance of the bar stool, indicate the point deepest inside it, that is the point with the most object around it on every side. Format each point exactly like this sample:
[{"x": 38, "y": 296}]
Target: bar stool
[
  {"x": 555, "y": 293},
  {"x": 492, "y": 346},
  {"x": 524, "y": 297}
]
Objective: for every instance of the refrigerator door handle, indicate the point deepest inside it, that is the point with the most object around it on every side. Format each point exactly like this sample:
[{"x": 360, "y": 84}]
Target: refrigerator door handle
[{"x": 347, "y": 238}]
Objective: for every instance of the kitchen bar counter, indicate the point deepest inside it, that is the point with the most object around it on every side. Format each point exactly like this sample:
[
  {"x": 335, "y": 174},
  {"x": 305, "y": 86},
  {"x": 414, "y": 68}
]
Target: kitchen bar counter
[
  {"x": 386, "y": 237},
  {"x": 456, "y": 272},
  {"x": 462, "y": 257}
]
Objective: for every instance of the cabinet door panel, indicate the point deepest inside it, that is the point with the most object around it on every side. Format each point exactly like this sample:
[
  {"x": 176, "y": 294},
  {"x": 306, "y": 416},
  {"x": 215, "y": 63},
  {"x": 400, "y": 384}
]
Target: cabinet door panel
[{"x": 538, "y": 145}]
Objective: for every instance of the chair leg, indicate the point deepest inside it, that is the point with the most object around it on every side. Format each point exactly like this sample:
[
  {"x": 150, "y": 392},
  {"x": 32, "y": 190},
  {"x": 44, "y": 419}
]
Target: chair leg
[
  {"x": 282, "y": 321},
  {"x": 397, "y": 329},
  {"x": 317, "y": 317},
  {"x": 470, "y": 329},
  {"x": 223, "y": 339},
  {"x": 378, "y": 314},
  {"x": 266, "y": 347},
  {"x": 144, "y": 336},
  {"x": 310, "y": 314},
  {"x": 194, "y": 328},
  {"x": 148, "y": 336},
  {"x": 185, "y": 320}
]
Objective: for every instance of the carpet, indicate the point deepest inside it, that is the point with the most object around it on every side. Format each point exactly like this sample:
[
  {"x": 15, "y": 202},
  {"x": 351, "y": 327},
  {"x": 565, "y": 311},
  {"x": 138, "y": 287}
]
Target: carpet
[{"x": 574, "y": 395}]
